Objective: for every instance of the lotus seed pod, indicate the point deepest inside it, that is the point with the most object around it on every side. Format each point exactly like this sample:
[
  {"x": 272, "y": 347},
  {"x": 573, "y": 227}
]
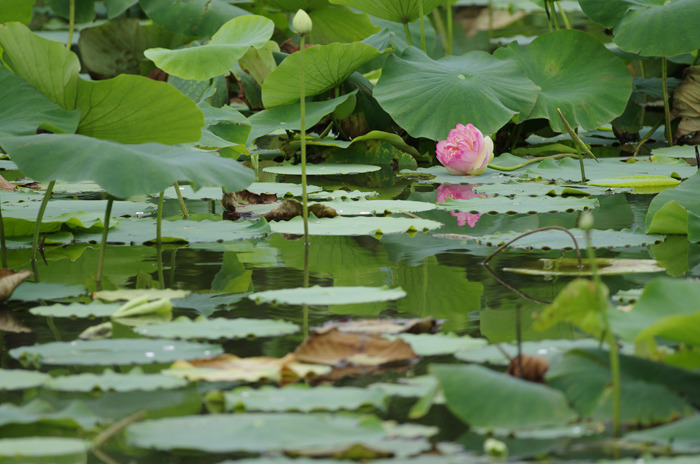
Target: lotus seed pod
[
  {"x": 301, "y": 22},
  {"x": 586, "y": 221}
]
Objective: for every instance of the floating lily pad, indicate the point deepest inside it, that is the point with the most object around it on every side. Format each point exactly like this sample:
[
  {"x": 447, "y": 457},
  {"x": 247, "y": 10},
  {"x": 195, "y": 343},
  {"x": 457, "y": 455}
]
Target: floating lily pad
[
  {"x": 135, "y": 380},
  {"x": 323, "y": 169},
  {"x": 439, "y": 175},
  {"x": 281, "y": 189},
  {"x": 218, "y": 329},
  {"x": 681, "y": 436},
  {"x": 537, "y": 189},
  {"x": 303, "y": 399},
  {"x": 558, "y": 240},
  {"x": 342, "y": 194},
  {"x": 113, "y": 352},
  {"x": 354, "y": 226},
  {"x": 130, "y": 294},
  {"x": 46, "y": 291},
  {"x": 569, "y": 267},
  {"x": 570, "y": 169},
  {"x": 676, "y": 151},
  {"x": 519, "y": 205},
  {"x": 636, "y": 181},
  {"x": 377, "y": 207},
  {"x": 382, "y": 326},
  {"x": 138, "y": 231},
  {"x": 75, "y": 415},
  {"x": 16, "y": 379},
  {"x": 95, "y": 309},
  {"x": 328, "y": 295},
  {"x": 35, "y": 450},
  {"x": 208, "y": 303},
  {"x": 493, "y": 354},
  {"x": 440, "y": 344}
]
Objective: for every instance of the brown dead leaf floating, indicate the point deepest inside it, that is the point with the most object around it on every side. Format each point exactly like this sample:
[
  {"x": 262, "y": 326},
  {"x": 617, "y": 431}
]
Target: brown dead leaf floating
[
  {"x": 291, "y": 208},
  {"x": 9, "y": 280},
  {"x": 383, "y": 326},
  {"x": 6, "y": 186},
  {"x": 534, "y": 368}
]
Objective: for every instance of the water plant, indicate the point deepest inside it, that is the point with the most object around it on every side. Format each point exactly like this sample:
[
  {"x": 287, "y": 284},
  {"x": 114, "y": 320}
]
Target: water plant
[{"x": 421, "y": 150}]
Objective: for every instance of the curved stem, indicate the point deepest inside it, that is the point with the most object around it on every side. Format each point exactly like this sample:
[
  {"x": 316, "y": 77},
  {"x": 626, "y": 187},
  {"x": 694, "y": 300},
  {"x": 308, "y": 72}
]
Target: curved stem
[
  {"x": 183, "y": 207},
  {"x": 530, "y": 161},
  {"x": 575, "y": 137},
  {"x": 71, "y": 23},
  {"x": 525, "y": 234},
  {"x": 37, "y": 226},
  {"x": 422, "y": 25},
  {"x": 304, "y": 196},
  {"x": 407, "y": 31},
  {"x": 667, "y": 109},
  {"x": 104, "y": 436},
  {"x": 103, "y": 245},
  {"x": 646, "y": 137}
]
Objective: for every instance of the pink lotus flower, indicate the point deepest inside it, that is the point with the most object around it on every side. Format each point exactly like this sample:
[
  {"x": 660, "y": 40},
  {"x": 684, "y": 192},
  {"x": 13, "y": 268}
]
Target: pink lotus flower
[
  {"x": 466, "y": 152},
  {"x": 460, "y": 192}
]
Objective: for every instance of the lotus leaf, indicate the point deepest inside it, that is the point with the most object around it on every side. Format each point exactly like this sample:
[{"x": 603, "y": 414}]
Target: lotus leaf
[
  {"x": 494, "y": 354},
  {"x": 355, "y": 226},
  {"x": 519, "y": 205},
  {"x": 111, "y": 381},
  {"x": 513, "y": 403},
  {"x": 218, "y": 328},
  {"x": 426, "y": 97},
  {"x": 46, "y": 291},
  {"x": 58, "y": 449},
  {"x": 132, "y": 294},
  {"x": 322, "y": 169},
  {"x": 680, "y": 435},
  {"x": 95, "y": 309},
  {"x": 303, "y": 399},
  {"x": 326, "y": 67},
  {"x": 440, "y": 344},
  {"x": 383, "y": 326},
  {"x": 557, "y": 240},
  {"x": 559, "y": 64},
  {"x": 16, "y": 379},
  {"x": 400, "y": 11},
  {"x": 198, "y": 17},
  {"x": 74, "y": 416},
  {"x": 669, "y": 211},
  {"x": 113, "y": 352},
  {"x": 328, "y": 295},
  {"x": 220, "y": 54},
  {"x": 538, "y": 189},
  {"x": 16, "y": 10},
  {"x": 570, "y": 170},
  {"x": 584, "y": 376}
]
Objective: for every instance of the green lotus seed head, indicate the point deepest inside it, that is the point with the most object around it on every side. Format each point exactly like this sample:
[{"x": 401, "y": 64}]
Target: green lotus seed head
[
  {"x": 586, "y": 221},
  {"x": 301, "y": 23}
]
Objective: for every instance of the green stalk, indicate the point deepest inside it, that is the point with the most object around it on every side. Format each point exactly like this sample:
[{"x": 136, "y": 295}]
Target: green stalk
[
  {"x": 554, "y": 16},
  {"x": 667, "y": 109},
  {"x": 646, "y": 137},
  {"x": 643, "y": 74},
  {"x": 549, "y": 15},
  {"x": 490, "y": 22},
  {"x": 440, "y": 26},
  {"x": 422, "y": 25},
  {"x": 3, "y": 247},
  {"x": 614, "y": 355},
  {"x": 575, "y": 137},
  {"x": 696, "y": 59},
  {"x": 103, "y": 245},
  {"x": 71, "y": 23},
  {"x": 449, "y": 27},
  {"x": 159, "y": 235},
  {"x": 37, "y": 226},
  {"x": 183, "y": 207},
  {"x": 305, "y": 322},
  {"x": 580, "y": 162},
  {"x": 408, "y": 34},
  {"x": 564, "y": 18},
  {"x": 304, "y": 197}
]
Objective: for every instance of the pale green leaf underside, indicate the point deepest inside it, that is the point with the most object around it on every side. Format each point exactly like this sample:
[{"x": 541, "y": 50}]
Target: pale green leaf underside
[
  {"x": 218, "y": 328},
  {"x": 328, "y": 295},
  {"x": 355, "y": 226}
]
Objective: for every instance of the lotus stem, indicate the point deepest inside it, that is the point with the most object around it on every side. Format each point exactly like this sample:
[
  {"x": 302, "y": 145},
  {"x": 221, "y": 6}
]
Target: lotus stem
[
  {"x": 104, "y": 436},
  {"x": 575, "y": 137},
  {"x": 490, "y": 23},
  {"x": 159, "y": 236},
  {"x": 422, "y": 25},
  {"x": 103, "y": 245},
  {"x": 304, "y": 196},
  {"x": 697, "y": 58},
  {"x": 614, "y": 355},
  {"x": 255, "y": 161},
  {"x": 530, "y": 161},
  {"x": 407, "y": 31},
  {"x": 37, "y": 226},
  {"x": 71, "y": 23},
  {"x": 643, "y": 74},
  {"x": 555, "y": 20},
  {"x": 440, "y": 26},
  {"x": 525, "y": 234},
  {"x": 580, "y": 162},
  {"x": 667, "y": 109},
  {"x": 549, "y": 14},
  {"x": 183, "y": 207},
  {"x": 646, "y": 137},
  {"x": 564, "y": 17},
  {"x": 3, "y": 247},
  {"x": 449, "y": 27}
]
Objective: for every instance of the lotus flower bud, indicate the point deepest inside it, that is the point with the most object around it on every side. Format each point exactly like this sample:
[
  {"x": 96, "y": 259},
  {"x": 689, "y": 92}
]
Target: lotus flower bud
[
  {"x": 495, "y": 448},
  {"x": 466, "y": 152},
  {"x": 301, "y": 23}
]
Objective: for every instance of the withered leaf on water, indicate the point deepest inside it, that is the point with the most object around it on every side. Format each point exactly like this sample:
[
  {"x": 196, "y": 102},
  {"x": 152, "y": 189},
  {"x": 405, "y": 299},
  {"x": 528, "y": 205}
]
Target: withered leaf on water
[
  {"x": 383, "y": 326},
  {"x": 10, "y": 323},
  {"x": 6, "y": 186},
  {"x": 9, "y": 280},
  {"x": 686, "y": 104},
  {"x": 534, "y": 368},
  {"x": 335, "y": 348},
  {"x": 292, "y": 208}
]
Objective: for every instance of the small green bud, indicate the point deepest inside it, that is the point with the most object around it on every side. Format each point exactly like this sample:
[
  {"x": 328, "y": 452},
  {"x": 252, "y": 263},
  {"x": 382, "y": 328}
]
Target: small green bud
[
  {"x": 495, "y": 448},
  {"x": 301, "y": 23},
  {"x": 586, "y": 220}
]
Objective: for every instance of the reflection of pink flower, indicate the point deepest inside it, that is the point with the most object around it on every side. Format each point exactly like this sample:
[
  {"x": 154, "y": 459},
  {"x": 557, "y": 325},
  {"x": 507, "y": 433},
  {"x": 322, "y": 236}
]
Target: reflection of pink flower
[
  {"x": 465, "y": 152},
  {"x": 460, "y": 192}
]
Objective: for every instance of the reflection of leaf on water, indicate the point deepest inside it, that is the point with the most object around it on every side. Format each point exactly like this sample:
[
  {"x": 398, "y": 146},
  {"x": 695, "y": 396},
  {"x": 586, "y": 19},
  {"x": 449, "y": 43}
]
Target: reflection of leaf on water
[{"x": 233, "y": 276}]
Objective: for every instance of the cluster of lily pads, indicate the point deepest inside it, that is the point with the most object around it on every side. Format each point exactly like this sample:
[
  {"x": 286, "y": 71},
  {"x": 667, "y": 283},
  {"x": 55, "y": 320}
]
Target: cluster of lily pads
[{"x": 149, "y": 368}]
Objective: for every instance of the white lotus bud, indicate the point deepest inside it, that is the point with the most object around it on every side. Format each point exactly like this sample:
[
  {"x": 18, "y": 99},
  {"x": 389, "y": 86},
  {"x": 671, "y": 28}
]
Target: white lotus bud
[
  {"x": 495, "y": 448},
  {"x": 301, "y": 22},
  {"x": 586, "y": 221}
]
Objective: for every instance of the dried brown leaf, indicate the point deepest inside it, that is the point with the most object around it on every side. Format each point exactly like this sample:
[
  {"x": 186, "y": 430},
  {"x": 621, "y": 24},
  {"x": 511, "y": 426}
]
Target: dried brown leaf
[
  {"x": 534, "y": 368},
  {"x": 7, "y": 186},
  {"x": 383, "y": 326},
  {"x": 334, "y": 348},
  {"x": 686, "y": 103},
  {"x": 9, "y": 280},
  {"x": 10, "y": 323},
  {"x": 292, "y": 208}
]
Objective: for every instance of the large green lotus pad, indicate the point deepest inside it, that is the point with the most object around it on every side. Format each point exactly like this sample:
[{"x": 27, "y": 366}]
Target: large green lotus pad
[
  {"x": 323, "y": 169},
  {"x": 558, "y": 240},
  {"x": 113, "y": 352},
  {"x": 519, "y": 205},
  {"x": 218, "y": 328},
  {"x": 354, "y": 226},
  {"x": 328, "y": 295},
  {"x": 111, "y": 381}
]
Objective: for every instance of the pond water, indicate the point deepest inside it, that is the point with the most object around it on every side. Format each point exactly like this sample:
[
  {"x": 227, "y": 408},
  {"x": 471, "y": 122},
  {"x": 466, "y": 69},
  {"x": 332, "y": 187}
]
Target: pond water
[{"x": 441, "y": 274}]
